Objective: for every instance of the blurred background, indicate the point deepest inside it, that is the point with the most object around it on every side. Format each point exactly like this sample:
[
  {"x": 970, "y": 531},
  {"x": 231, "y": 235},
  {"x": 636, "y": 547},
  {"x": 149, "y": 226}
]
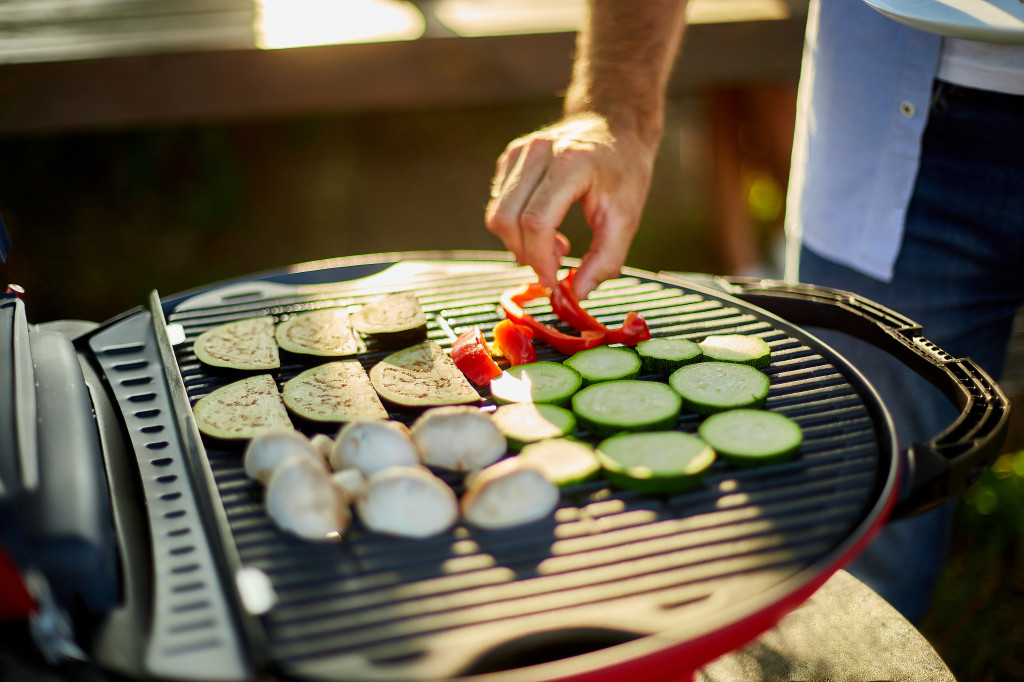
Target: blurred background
[{"x": 169, "y": 144}]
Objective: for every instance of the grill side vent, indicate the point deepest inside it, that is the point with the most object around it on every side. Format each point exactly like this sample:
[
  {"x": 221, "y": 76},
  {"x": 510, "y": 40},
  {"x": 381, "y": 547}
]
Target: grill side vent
[{"x": 192, "y": 633}]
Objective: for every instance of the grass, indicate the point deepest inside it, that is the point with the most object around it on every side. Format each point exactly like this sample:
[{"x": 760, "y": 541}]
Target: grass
[{"x": 975, "y": 622}]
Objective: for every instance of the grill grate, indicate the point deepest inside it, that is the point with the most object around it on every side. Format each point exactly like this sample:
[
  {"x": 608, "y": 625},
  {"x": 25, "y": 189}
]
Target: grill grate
[{"x": 612, "y": 561}]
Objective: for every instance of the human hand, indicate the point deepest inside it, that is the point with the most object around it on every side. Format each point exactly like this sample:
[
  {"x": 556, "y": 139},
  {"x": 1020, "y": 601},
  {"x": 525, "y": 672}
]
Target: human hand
[{"x": 538, "y": 178}]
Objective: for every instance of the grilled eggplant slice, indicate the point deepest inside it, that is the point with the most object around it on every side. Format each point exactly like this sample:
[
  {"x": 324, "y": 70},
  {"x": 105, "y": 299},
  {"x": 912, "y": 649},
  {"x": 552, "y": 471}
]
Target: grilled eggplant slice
[
  {"x": 242, "y": 344},
  {"x": 242, "y": 409},
  {"x": 326, "y": 333},
  {"x": 395, "y": 321},
  {"x": 421, "y": 376},
  {"x": 337, "y": 391}
]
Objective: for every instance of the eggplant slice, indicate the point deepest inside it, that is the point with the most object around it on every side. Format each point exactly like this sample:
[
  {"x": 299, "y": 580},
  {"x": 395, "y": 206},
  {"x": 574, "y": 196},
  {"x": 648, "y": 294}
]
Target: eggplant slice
[
  {"x": 395, "y": 321},
  {"x": 242, "y": 409},
  {"x": 326, "y": 332},
  {"x": 337, "y": 391},
  {"x": 243, "y": 344},
  {"x": 421, "y": 376}
]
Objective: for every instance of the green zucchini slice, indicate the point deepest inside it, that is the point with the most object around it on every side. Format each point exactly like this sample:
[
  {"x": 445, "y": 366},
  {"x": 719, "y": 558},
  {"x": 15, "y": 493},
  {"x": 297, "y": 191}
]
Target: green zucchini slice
[
  {"x": 524, "y": 423},
  {"x": 537, "y": 382},
  {"x": 746, "y": 350},
  {"x": 656, "y": 461},
  {"x": 608, "y": 407},
  {"x": 565, "y": 461},
  {"x": 605, "y": 363},
  {"x": 710, "y": 387},
  {"x": 662, "y": 355},
  {"x": 752, "y": 437}
]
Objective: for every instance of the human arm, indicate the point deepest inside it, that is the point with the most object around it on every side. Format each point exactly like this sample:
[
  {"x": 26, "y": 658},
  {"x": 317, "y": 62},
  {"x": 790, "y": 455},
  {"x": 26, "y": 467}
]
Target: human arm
[{"x": 601, "y": 153}]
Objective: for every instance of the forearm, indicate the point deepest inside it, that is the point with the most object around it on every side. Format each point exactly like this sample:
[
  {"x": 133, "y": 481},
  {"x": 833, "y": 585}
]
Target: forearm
[{"x": 624, "y": 57}]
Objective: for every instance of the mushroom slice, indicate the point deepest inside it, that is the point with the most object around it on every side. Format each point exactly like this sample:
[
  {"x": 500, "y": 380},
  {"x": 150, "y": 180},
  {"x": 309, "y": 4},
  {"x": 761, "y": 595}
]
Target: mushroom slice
[
  {"x": 408, "y": 502},
  {"x": 352, "y": 482},
  {"x": 326, "y": 332},
  {"x": 301, "y": 499},
  {"x": 374, "y": 445},
  {"x": 269, "y": 449},
  {"x": 336, "y": 391},
  {"x": 242, "y": 344},
  {"x": 422, "y": 376},
  {"x": 459, "y": 438},
  {"x": 510, "y": 493},
  {"x": 395, "y": 320},
  {"x": 242, "y": 409}
]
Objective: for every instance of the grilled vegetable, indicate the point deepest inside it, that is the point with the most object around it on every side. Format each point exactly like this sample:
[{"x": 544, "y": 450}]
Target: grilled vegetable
[
  {"x": 301, "y": 499},
  {"x": 747, "y": 350},
  {"x": 326, "y": 332},
  {"x": 564, "y": 460},
  {"x": 338, "y": 391},
  {"x": 514, "y": 343},
  {"x": 752, "y": 437},
  {"x": 421, "y": 376},
  {"x": 372, "y": 445},
  {"x": 242, "y": 344},
  {"x": 510, "y": 493},
  {"x": 352, "y": 481},
  {"x": 268, "y": 450},
  {"x": 408, "y": 502},
  {"x": 710, "y": 387},
  {"x": 242, "y": 409},
  {"x": 665, "y": 355},
  {"x": 458, "y": 438},
  {"x": 605, "y": 363},
  {"x": 473, "y": 358},
  {"x": 655, "y": 462},
  {"x": 395, "y": 321},
  {"x": 568, "y": 309},
  {"x": 512, "y": 302},
  {"x": 537, "y": 382},
  {"x": 524, "y": 423},
  {"x": 609, "y": 407}
]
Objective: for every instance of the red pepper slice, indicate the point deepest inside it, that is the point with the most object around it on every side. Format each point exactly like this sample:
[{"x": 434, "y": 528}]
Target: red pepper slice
[
  {"x": 567, "y": 307},
  {"x": 513, "y": 342},
  {"x": 512, "y": 302},
  {"x": 473, "y": 358}
]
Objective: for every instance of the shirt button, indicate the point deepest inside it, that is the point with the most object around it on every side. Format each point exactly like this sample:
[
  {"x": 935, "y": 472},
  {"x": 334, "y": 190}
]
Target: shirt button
[{"x": 907, "y": 109}]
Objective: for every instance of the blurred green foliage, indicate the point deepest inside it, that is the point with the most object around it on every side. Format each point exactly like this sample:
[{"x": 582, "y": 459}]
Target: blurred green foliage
[{"x": 976, "y": 622}]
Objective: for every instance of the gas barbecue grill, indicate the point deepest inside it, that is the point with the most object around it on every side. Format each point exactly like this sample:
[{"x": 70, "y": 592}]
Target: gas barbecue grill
[{"x": 179, "y": 574}]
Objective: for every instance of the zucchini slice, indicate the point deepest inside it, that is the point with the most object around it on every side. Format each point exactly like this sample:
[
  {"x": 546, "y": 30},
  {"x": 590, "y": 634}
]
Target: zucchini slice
[
  {"x": 710, "y": 387},
  {"x": 605, "y": 363},
  {"x": 537, "y": 382},
  {"x": 524, "y": 423},
  {"x": 565, "y": 461},
  {"x": 655, "y": 462},
  {"x": 609, "y": 407},
  {"x": 746, "y": 350},
  {"x": 664, "y": 355},
  {"x": 752, "y": 437}
]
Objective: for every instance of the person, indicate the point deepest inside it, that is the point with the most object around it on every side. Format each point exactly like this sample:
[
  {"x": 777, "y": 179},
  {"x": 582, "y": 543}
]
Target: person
[{"x": 906, "y": 186}]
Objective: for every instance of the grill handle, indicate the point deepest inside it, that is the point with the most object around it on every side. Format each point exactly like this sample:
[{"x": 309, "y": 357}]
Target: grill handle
[{"x": 949, "y": 463}]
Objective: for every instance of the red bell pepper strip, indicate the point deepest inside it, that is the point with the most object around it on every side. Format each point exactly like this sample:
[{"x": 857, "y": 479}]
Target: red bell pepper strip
[
  {"x": 512, "y": 301},
  {"x": 473, "y": 358},
  {"x": 513, "y": 342},
  {"x": 568, "y": 309}
]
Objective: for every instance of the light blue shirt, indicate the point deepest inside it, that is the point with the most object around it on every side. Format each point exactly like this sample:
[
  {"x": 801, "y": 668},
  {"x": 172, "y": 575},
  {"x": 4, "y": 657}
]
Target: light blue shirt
[{"x": 865, "y": 90}]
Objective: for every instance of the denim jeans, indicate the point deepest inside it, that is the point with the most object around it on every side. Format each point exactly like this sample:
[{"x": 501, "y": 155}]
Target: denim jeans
[{"x": 960, "y": 274}]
